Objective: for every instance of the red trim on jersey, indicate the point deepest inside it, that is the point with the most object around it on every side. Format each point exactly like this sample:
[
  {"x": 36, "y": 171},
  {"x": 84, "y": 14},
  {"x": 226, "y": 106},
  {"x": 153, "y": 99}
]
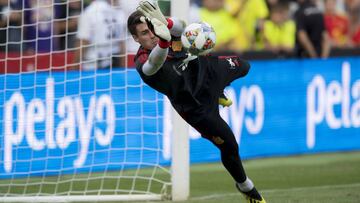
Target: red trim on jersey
[
  {"x": 163, "y": 44},
  {"x": 234, "y": 59},
  {"x": 236, "y": 62},
  {"x": 142, "y": 55},
  {"x": 170, "y": 23},
  {"x": 225, "y": 57},
  {"x": 143, "y": 58}
]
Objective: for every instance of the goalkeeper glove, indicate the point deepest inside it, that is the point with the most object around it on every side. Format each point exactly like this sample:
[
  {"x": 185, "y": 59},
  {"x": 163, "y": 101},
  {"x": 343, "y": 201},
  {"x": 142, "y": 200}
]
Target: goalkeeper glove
[
  {"x": 160, "y": 30},
  {"x": 152, "y": 11}
]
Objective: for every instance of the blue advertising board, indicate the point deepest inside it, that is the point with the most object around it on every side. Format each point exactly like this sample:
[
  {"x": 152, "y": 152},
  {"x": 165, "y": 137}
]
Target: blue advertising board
[{"x": 66, "y": 122}]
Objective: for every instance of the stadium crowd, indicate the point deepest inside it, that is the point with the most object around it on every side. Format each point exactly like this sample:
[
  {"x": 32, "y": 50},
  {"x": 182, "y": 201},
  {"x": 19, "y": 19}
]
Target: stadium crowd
[
  {"x": 253, "y": 28},
  {"x": 282, "y": 28}
]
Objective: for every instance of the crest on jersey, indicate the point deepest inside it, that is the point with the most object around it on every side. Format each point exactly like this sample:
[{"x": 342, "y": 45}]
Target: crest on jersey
[
  {"x": 217, "y": 140},
  {"x": 232, "y": 64},
  {"x": 176, "y": 45}
]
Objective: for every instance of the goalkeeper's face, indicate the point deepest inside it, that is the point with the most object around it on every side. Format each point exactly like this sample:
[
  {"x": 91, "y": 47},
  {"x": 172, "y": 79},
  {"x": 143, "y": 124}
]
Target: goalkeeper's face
[{"x": 145, "y": 37}]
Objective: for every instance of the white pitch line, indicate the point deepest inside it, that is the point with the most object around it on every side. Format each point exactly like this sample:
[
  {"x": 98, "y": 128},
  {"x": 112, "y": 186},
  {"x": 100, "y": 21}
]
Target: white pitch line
[
  {"x": 311, "y": 188},
  {"x": 214, "y": 196}
]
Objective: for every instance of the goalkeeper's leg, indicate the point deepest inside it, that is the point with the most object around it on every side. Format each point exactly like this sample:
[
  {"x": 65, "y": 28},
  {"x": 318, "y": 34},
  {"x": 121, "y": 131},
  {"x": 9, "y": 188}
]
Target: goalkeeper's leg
[
  {"x": 215, "y": 129},
  {"x": 229, "y": 68}
]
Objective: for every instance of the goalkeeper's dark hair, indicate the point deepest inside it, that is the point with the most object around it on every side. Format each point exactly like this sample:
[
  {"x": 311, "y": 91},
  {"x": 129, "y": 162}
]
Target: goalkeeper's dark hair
[{"x": 133, "y": 20}]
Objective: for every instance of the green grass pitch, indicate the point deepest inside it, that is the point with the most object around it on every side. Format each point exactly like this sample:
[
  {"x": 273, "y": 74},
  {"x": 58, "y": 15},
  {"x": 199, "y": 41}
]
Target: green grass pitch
[{"x": 328, "y": 177}]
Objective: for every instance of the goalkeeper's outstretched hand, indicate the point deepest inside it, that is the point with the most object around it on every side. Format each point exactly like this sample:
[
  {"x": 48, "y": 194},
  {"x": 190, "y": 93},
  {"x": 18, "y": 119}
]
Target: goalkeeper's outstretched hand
[
  {"x": 152, "y": 11},
  {"x": 160, "y": 29}
]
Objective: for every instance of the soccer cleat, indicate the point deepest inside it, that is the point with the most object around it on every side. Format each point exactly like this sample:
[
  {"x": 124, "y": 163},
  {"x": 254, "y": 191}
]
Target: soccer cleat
[
  {"x": 224, "y": 101},
  {"x": 250, "y": 199}
]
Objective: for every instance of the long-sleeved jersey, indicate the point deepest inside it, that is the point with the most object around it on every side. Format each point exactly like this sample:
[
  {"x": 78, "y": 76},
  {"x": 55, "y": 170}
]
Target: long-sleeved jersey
[{"x": 192, "y": 84}]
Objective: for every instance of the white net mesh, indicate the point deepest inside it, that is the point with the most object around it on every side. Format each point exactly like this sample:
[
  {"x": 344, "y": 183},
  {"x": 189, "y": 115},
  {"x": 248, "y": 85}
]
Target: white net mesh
[{"x": 74, "y": 119}]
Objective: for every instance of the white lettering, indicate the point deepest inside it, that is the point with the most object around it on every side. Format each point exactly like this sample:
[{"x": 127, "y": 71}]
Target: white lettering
[
  {"x": 355, "y": 109},
  {"x": 65, "y": 131},
  {"x": 85, "y": 124},
  {"x": 49, "y": 135},
  {"x": 345, "y": 107},
  {"x": 11, "y": 138},
  {"x": 256, "y": 97},
  {"x": 327, "y": 102},
  {"x": 35, "y": 114},
  {"x": 105, "y": 103},
  {"x": 333, "y": 97},
  {"x": 314, "y": 113},
  {"x": 23, "y": 121}
]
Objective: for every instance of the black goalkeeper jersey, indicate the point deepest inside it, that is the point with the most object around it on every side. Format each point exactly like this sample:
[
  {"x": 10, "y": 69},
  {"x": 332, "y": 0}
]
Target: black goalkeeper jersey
[
  {"x": 186, "y": 85},
  {"x": 192, "y": 88}
]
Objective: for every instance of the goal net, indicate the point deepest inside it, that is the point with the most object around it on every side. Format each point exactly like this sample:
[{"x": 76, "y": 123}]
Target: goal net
[{"x": 76, "y": 121}]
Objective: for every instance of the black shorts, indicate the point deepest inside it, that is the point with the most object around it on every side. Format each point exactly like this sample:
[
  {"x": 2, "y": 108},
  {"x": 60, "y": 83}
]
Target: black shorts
[
  {"x": 228, "y": 69},
  {"x": 221, "y": 71}
]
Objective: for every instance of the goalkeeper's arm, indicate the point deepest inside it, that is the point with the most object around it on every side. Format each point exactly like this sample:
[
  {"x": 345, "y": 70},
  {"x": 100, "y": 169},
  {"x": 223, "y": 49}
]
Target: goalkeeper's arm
[
  {"x": 163, "y": 28},
  {"x": 176, "y": 26},
  {"x": 156, "y": 59},
  {"x": 159, "y": 53}
]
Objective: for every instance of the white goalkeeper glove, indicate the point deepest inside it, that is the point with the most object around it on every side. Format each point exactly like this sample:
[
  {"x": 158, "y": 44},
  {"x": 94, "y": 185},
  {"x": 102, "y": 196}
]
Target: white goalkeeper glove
[
  {"x": 160, "y": 30},
  {"x": 152, "y": 11}
]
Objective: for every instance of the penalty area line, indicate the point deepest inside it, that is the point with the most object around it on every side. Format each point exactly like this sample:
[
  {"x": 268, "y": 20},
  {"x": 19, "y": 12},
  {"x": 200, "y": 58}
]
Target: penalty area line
[{"x": 215, "y": 196}]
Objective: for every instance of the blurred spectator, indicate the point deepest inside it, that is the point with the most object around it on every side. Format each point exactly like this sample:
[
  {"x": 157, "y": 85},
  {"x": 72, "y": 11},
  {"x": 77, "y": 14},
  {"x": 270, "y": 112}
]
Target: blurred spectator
[
  {"x": 10, "y": 25},
  {"x": 339, "y": 4},
  {"x": 279, "y": 31},
  {"x": 229, "y": 35},
  {"x": 292, "y": 5},
  {"x": 193, "y": 14},
  {"x": 271, "y": 3},
  {"x": 67, "y": 27},
  {"x": 312, "y": 39},
  {"x": 319, "y": 4},
  {"x": 196, "y": 2},
  {"x": 337, "y": 25},
  {"x": 353, "y": 9},
  {"x": 101, "y": 35},
  {"x": 4, "y": 15},
  {"x": 39, "y": 26},
  {"x": 351, "y": 5},
  {"x": 250, "y": 15}
]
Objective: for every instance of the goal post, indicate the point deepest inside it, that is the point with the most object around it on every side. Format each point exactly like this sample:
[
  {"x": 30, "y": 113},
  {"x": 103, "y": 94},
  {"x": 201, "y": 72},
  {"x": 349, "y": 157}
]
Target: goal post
[
  {"x": 90, "y": 135},
  {"x": 180, "y": 151}
]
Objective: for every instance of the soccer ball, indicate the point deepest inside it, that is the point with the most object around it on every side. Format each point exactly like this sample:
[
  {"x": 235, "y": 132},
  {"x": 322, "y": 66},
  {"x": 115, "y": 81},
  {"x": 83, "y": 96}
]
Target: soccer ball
[{"x": 198, "y": 38}]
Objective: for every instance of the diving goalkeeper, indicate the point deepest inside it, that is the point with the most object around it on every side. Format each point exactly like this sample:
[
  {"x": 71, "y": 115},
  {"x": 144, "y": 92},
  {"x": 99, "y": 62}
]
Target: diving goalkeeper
[{"x": 192, "y": 84}]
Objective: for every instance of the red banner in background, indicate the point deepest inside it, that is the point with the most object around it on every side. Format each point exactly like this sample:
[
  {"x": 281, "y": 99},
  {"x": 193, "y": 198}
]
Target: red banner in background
[{"x": 59, "y": 61}]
